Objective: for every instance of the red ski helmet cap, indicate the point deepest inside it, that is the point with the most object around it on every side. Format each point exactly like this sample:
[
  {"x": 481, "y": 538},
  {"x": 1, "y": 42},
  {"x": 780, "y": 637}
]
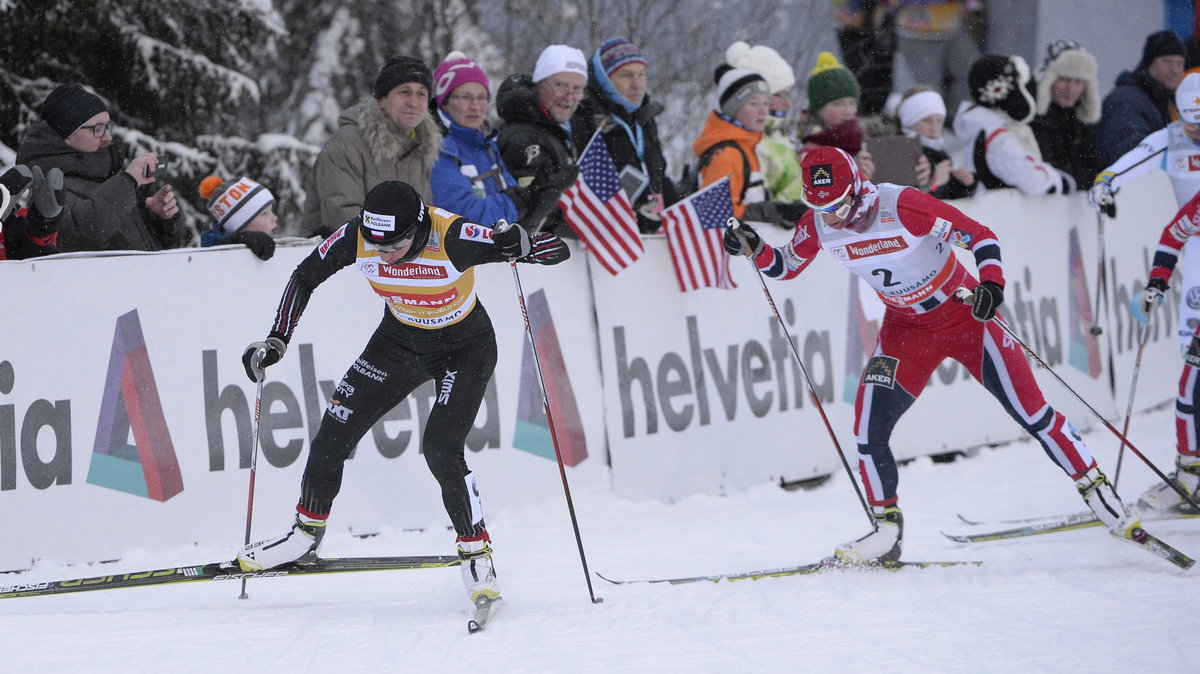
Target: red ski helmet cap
[{"x": 831, "y": 181}]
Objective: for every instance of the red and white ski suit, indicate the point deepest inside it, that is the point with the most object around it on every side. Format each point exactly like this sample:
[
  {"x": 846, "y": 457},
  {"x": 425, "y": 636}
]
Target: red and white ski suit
[
  {"x": 902, "y": 250},
  {"x": 1175, "y": 235}
]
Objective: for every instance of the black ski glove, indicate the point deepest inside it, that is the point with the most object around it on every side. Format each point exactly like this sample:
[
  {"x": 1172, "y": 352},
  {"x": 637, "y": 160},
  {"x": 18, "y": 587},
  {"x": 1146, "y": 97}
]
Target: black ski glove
[
  {"x": 989, "y": 295},
  {"x": 511, "y": 239},
  {"x": 259, "y": 243},
  {"x": 743, "y": 241},
  {"x": 272, "y": 348},
  {"x": 547, "y": 249}
]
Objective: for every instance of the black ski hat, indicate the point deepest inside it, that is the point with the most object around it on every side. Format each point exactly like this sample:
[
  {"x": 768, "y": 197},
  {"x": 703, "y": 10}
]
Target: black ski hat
[
  {"x": 392, "y": 212},
  {"x": 1162, "y": 43},
  {"x": 401, "y": 69},
  {"x": 999, "y": 82},
  {"x": 68, "y": 107}
]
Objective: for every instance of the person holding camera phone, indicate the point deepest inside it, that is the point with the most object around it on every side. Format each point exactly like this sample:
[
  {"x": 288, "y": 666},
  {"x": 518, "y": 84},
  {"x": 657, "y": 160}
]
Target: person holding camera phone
[{"x": 107, "y": 205}]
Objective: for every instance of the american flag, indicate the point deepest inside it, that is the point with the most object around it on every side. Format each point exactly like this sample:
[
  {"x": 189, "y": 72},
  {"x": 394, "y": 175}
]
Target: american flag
[
  {"x": 598, "y": 210},
  {"x": 694, "y": 227}
]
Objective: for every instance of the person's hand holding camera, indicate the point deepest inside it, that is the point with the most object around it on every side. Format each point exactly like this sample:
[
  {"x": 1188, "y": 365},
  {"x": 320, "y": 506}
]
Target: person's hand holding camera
[{"x": 144, "y": 168}]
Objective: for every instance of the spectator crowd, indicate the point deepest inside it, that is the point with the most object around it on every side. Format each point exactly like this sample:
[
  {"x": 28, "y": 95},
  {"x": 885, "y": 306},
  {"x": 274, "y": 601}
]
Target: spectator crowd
[{"x": 964, "y": 122}]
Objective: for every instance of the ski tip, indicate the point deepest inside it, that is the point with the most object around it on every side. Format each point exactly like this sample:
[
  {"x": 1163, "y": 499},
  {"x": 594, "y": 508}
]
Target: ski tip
[{"x": 957, "y": 538}]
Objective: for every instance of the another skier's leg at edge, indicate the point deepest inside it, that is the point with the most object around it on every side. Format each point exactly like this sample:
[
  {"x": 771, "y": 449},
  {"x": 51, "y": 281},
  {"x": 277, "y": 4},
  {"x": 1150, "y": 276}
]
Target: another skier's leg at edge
[{"x": 1161, "y": 498}]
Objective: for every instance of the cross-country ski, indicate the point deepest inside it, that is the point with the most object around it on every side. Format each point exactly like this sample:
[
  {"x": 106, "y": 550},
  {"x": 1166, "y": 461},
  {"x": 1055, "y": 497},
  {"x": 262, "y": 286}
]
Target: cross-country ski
[
  {"x": 824, "y": 566},
  {"x": 214, "y": 571}
]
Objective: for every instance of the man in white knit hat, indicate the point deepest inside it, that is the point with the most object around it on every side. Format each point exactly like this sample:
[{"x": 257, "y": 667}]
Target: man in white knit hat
[{"x": 542, "y": 136}]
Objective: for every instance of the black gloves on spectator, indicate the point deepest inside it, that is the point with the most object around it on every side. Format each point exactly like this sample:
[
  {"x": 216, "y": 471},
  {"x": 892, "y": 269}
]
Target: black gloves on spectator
[
  {"x": 775, "y": 212},
  {"x": 259, "y": 243},
  {"x": 791, "y": 213},
  {"x": 1066, "y": 183},
  {"x": 561, "y": 178},
  {"x": 989, "y": 295},
  {"x": 511, "y": 239},
  {"x": 743, "y": 241},
  {"x": 272, "y": 348},
  {"x": 522, "y": 198}
]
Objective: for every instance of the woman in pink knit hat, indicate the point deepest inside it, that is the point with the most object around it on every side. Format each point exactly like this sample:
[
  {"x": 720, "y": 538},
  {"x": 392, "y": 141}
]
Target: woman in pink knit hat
[{"x": 469, "y": 177}]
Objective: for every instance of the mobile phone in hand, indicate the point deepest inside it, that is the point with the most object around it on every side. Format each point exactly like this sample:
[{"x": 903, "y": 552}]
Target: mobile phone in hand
[{"x": 164, "y": 163}]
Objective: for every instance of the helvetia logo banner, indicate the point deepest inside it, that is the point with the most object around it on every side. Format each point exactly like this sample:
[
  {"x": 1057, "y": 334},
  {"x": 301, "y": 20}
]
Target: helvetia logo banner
[
  {"x": 532, "y": 434},
  {"x": 148, "y": 467}
]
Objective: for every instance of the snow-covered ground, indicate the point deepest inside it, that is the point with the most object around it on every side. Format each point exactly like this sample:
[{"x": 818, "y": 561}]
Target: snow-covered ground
[{"x": 1079, "y": 601}]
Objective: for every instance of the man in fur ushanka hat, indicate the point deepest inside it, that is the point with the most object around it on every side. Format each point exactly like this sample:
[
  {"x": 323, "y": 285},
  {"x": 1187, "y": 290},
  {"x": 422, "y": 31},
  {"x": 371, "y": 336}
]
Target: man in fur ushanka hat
[{"x": 1068, "y": 106}]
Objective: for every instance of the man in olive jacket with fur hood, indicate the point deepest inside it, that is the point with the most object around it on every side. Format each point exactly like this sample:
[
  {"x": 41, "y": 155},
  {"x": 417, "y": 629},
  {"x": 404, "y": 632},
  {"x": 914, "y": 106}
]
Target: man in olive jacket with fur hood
[{"x": 390, "y": 136}]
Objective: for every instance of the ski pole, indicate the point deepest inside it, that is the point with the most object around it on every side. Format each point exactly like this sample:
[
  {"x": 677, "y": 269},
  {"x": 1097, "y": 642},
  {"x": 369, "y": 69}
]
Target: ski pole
[
  {"x": 1143, "y": 337},
  {"x": 255, "y": 360},
  {"x": 501, "y": 227},
  {"x": 1101, "y": 277},
  {"x": 1102, "y": 302},
  {"x": 967, "y": 297},
  {"x": 812, "y": 391}
]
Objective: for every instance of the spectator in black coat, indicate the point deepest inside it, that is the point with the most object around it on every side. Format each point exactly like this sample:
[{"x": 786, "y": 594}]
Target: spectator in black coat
[
  {"x": 108, "y": 205},
  {"x": 1141, "y": 102},
  {"x": 542, "y": 136},
  {"x": 1068, "y": 106}
]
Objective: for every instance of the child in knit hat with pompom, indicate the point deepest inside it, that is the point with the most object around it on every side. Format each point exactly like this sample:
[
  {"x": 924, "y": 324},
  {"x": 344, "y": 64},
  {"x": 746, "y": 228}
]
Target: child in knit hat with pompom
[
  {"x": 833, "y": 112},
  {"x": 243, "y": 212}
]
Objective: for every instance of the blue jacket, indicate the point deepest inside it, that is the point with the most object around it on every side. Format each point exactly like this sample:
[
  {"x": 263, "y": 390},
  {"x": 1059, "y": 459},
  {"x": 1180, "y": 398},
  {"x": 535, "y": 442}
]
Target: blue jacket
[
  {"x": 1136, "y": 108},
  {"x": 467, "y": 152}
]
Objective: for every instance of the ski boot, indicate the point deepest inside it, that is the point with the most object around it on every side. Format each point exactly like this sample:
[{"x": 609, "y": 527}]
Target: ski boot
[
  {"x": 1161, "y": 498},
  {"x": 300, "y": 544},
  {"x": 881, "y": 545},
  {"x": 479, "y": 576},
  {"x": 1098, "y": 494}
]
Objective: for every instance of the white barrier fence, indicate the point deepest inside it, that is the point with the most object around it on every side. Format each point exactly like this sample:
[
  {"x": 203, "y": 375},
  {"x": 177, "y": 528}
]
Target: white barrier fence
[{"x": 125, "y": 416}]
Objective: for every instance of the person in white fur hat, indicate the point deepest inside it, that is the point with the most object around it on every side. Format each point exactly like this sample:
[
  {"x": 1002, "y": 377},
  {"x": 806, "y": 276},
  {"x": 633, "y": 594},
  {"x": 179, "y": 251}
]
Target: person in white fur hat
[
  {"x": 1068, "y": 107},
  {"x": 777, "y": 149}
]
